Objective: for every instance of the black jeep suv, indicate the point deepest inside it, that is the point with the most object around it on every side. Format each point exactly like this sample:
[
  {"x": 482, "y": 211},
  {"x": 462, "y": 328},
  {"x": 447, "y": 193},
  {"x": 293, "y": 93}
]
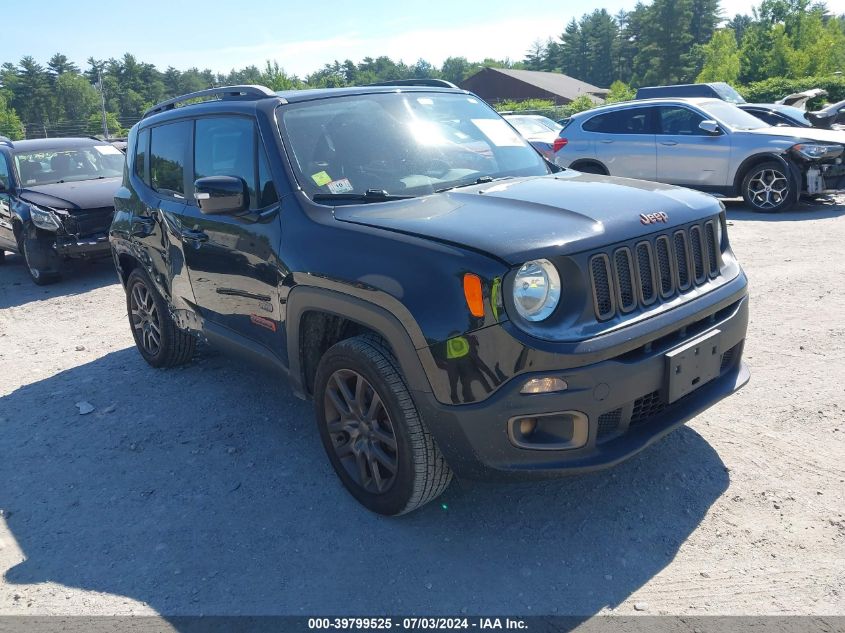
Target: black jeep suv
[
  {"x": 56, "y": 201},
  {"x": 449, "y": 300}
]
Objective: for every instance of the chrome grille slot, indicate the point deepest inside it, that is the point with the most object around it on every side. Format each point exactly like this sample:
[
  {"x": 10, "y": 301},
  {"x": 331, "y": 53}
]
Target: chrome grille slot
[
  {"x": 626, "y": 294},
  {"x": 602, "y": 291},
  {"x": 664, "y": 266},
  {"x": 698, "y": 255},
  {"x": 682, "y": 260},
  {"x": 645, "y": 273},
  {"x": 712, "y": 248}
]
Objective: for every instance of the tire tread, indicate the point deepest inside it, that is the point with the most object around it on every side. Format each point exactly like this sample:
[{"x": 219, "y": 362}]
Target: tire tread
[{"x": 432, "y": 474}]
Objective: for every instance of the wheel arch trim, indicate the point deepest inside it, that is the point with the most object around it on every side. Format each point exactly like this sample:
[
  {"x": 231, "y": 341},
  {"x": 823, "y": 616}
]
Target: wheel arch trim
[
  {"x": 304, "y": 299},
  {"x": 790, "y": 167}
]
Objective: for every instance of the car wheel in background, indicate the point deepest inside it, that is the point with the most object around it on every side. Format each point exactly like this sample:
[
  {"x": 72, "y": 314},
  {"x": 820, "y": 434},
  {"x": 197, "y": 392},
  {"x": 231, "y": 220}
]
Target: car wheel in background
[
  {"x": 160, "y": 342},
  {"x": 591, "y": 168},
  {"x": 35, "y": 255},
  {"x": 372, "y": 431},
  {"x": 767, "y": 187}
]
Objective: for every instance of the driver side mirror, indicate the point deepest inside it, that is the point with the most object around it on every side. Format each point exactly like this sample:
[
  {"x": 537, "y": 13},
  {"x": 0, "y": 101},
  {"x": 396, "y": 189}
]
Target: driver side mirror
[
  {"x": 709, "y": 126},
  {"x": 218, "y": 195}
]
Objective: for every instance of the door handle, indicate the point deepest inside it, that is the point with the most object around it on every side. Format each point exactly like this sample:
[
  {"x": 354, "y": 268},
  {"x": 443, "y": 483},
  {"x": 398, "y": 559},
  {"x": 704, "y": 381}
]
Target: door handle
[
  {"x": 606, "y": 141},
  {"x": 670, "y": 143},
  {"x": 191, "y": 235}
]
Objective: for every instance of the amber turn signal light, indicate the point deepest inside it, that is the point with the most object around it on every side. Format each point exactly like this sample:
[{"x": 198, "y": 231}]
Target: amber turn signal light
[{"x": 472, "y": 292}]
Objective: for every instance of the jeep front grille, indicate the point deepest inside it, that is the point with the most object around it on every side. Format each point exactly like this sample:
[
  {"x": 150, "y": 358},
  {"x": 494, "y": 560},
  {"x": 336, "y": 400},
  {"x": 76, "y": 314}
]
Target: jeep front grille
[{"x": 625, "y": 278}]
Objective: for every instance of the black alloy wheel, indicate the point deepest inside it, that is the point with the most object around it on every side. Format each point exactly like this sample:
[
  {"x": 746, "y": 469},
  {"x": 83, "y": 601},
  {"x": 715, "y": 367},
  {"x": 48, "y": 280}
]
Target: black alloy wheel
[
  {"x": 157, "y": 337},
  {"x": 361, "y": 431},
  {"x": 146, "y": 321}
]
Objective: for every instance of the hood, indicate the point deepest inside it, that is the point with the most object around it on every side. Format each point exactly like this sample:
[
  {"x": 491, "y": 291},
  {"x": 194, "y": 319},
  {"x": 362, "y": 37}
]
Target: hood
[
  {"x": 74, "y": 196},
  {"x": 523, "y": 218},
  {"x": 802, "y": 133}
]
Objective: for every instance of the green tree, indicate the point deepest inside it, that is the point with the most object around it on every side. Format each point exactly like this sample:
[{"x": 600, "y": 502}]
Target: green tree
[
  {"x": 619, "y": 91},
  {"x": 721, "y": 58},
  {"x": 455, "y": 69},
  {"x": 95, "y": 125},
  {"x": 275, "y": 77},
  {"x": 59, "y": 64},
  {"x": 75, "y": 96},
  {"x": 666, "y": 41},
  {"x": 10, "y": 125}
]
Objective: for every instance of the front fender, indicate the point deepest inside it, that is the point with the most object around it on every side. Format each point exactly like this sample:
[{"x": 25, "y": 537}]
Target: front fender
[{"x": 302, "y": 299}]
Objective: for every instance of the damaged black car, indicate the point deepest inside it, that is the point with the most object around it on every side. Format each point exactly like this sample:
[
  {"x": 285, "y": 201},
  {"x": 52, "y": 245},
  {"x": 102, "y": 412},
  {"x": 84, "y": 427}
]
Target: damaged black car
[{"x": 56, "y": 201}]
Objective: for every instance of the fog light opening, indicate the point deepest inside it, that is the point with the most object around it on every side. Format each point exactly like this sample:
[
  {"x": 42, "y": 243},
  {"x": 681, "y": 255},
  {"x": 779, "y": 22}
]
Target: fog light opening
[
  {"x": 549, "y": 431},
  {"x": 548, "y": 384},
  {"x": 527, "y": 426}
]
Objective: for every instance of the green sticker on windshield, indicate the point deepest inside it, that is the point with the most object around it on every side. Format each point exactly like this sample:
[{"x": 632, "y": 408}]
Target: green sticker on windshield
[{"x": 321, "y": 178}]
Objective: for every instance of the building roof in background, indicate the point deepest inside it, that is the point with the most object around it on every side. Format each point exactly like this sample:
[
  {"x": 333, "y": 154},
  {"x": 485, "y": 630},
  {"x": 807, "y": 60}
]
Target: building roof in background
[{"x": 556, "y": 83}]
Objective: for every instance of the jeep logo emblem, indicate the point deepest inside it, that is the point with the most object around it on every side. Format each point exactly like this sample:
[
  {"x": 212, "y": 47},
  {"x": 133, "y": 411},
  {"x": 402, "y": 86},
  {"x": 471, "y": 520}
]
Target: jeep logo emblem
[{"x": 651, "y": 218}]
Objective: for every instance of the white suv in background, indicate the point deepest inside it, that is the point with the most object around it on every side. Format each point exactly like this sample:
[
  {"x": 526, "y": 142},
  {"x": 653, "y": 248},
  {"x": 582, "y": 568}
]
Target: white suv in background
[{"x": 705, "y": 144}]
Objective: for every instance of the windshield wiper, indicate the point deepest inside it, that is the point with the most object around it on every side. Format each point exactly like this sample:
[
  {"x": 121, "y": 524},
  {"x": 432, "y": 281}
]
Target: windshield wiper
[
  {"x": 478, "y": 181},
  {"x": 372, "y": 195}
]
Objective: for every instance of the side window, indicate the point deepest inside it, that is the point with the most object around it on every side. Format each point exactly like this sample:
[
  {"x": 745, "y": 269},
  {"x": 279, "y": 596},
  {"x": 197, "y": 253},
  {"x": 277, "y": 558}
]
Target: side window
[
  {"x": 142, "y": 148},
  {"x": 628, "y": 121},
  {"x": 4, "y": 172},
  {"x": 680, "y": 121},
  {"x": 225, "y": 146},
  {"x": 169, "y": 146},
  {"x": 772, "y": 118}
]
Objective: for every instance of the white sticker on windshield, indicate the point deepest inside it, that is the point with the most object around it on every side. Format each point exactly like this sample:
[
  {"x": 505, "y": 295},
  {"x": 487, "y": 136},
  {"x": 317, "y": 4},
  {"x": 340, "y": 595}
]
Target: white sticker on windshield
[
  {"x": 499, "y": 132},
  {"x": 106, "y": 150},
  {"x": 340, "y": 186}
]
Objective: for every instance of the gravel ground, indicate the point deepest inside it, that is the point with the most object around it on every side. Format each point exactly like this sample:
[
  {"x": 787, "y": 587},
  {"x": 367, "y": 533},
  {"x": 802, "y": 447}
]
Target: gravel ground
[{"x": 205, "y": 489}]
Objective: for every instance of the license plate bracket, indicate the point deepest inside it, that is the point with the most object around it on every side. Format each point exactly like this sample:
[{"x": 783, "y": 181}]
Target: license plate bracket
[{"x": 693, "y": 364}]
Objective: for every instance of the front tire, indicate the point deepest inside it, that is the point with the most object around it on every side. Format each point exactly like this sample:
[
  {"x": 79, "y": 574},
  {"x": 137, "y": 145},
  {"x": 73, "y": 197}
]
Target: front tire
[
  {"x": 372, "y": 431},
  {"x": 33, "y": 254},
  {"x": 160, "y": 342},
  {"x": 767, "y": 188}
]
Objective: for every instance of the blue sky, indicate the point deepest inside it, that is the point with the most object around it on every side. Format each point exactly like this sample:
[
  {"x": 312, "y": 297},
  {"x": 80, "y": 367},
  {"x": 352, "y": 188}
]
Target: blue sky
[{"x": 301, "y": 36}]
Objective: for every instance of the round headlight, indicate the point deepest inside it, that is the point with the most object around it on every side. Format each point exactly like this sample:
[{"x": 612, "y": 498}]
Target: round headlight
[{"x": 536, "y": 289}]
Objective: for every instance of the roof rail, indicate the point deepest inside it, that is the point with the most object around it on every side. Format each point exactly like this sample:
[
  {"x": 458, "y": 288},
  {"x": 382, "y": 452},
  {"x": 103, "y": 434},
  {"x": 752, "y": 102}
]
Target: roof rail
[
  {"x": 244, "y": 93},
  {"x": 431, "y": 83}
]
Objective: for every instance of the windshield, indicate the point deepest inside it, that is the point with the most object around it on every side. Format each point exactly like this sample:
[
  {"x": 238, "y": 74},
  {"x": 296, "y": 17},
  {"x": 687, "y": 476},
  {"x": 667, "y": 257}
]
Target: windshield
[
  {"x": 402, "y": 143},
  {"x": 733, "y": 117},
  {"x": 49, "y": 166},
  {"x": 534, "y": 126},
  {"x": 727, "y": 93}
]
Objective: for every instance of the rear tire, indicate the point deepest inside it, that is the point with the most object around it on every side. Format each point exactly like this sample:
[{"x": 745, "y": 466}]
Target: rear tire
[
  {"x": 160, "y": 342},
  {"x": 372, "y": 431},
  {"x": 767, "y": 188},
  {"x": 591, "y": 168}
]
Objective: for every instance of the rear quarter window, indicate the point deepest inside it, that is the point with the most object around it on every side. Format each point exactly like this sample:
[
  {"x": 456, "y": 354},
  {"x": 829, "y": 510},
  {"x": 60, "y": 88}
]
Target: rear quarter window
[
  {"x": 169, "y": 150},
  {"x": 628, "y": 121}
]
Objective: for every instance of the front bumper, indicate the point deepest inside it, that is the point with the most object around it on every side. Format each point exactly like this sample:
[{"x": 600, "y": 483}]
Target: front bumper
[
  {"x": 91, "y": 246},
  {"x": 623, "y": 398}
]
